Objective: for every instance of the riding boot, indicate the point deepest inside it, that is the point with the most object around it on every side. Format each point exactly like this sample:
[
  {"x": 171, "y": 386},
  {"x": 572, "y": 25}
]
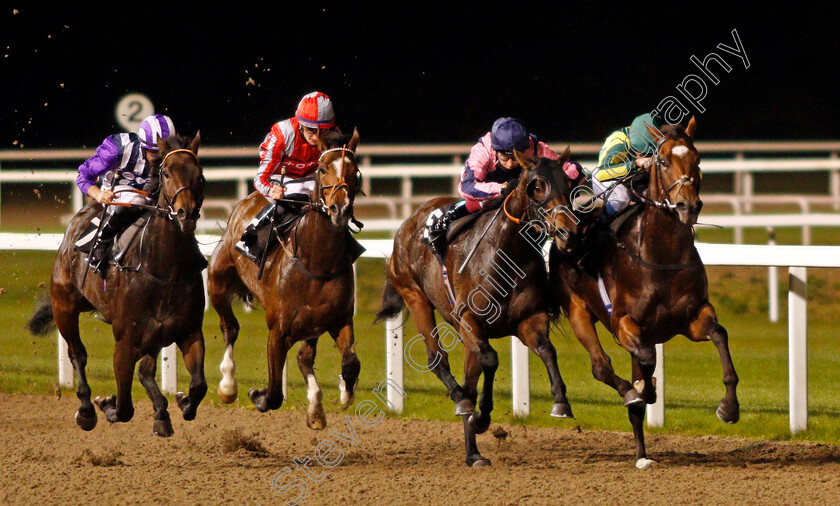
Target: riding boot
[
  {"x": 249, "y": 244},
  {"x": 114, "y": 222}
]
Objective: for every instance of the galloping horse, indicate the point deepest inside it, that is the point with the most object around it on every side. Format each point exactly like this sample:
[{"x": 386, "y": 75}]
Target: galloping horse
[
  {"x": 306, "y": 290},
  {"x": 655, "y": 280},
  {"x": 154, "y": 298},
  {"x": 502, "y": 290}
]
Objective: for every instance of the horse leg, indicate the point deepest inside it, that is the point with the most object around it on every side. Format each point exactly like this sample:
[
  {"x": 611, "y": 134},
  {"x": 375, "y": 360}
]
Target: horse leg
[
  {"x": 219, "y": 288},
  {"x": 584, "y": 328},
  {"x": 316, "y": 419},
  {"x": 643, "y": 362},
  {"x": 706, "y": 327},
  {"x": 533, "y": 333},
  {"x": 67, "y": 323},
  {"x": 192, "y": 349},
  {"x": 424, "y": 320},
  {"x": 479, "y": 358},
  {"x": 345, "y": 340},
  {"x": 636, "y": 414},
  {"x": 146, "y": 374},
  {"x": 272, "y": 397},
  {"x": 119, "y": 408},
  {"x": 488, "y": 362}
]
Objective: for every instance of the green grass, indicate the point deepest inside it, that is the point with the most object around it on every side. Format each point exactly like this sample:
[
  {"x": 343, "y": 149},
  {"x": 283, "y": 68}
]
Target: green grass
[{"x": 693, "y": 373}]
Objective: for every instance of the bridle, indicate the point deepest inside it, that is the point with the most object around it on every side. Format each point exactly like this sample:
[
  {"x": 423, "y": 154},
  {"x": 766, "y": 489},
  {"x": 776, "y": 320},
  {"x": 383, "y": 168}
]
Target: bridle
[
  {"x": 342, "y": 183},
  {"x": 532, "y": 212},
  {"x": 659, "y": 163},
  {"x": 169, "y": 202}
]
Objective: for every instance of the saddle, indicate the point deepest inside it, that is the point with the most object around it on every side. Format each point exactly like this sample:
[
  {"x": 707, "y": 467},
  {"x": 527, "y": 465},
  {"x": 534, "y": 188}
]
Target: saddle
[
  {"x": 266, "y": 239},
  {"x": 598, "y": 235},
  {"x": 121, "y": 243},
  {"x": 438, "y": 243}
]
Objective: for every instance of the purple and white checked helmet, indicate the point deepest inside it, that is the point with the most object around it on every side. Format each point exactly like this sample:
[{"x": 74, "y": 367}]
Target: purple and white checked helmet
[{"x": 154, "y": 128}]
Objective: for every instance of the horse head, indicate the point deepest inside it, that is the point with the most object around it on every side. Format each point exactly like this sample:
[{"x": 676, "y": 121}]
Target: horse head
[
  {"x": 547, "y": 188},
  {"x": 675, "y": 173},
  {"x": 338, "y": 176},
  {"x": 181, "y": 180}
]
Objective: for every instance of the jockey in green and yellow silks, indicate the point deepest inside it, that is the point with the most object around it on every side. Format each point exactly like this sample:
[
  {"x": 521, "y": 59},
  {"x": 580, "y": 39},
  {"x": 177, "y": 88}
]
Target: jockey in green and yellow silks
[{"x": 623, "y": 153}]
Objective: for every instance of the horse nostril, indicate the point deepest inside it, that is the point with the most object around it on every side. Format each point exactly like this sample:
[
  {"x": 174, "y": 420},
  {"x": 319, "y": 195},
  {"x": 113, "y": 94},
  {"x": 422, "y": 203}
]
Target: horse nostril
[
  {"x": 682, "y": 207},
  {"x": 699, "y": 206},
  {"x": 334, "y": 209}
]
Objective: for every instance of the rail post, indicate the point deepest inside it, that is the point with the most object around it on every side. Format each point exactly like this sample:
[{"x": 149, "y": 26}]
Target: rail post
[{"x": 798, "y": 348}]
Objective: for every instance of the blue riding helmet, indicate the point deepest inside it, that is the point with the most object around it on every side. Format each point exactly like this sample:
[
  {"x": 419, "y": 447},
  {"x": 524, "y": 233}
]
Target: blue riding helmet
[{"x": 508, "y": 134}]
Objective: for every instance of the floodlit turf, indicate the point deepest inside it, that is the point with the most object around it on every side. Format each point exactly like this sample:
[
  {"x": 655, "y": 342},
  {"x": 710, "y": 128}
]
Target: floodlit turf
[{"x": 692, "y": 370}]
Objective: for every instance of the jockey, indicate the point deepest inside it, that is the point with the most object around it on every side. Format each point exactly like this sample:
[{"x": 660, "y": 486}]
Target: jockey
[
  {"x": 623, "y": 153},
  {"x": 491, "y": 169},
  {"x": 124, "y": 162},
  {"x": 288, "y": 159}
]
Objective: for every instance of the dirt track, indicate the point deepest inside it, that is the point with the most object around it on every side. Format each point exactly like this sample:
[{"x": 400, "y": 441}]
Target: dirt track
[{"x": 230, "y": 455}]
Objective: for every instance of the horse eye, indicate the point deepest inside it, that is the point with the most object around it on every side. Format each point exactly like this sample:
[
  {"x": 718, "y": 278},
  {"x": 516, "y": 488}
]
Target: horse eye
[
  {"x": 322, "y": 170},
  {"x": 165, "y": 174}
]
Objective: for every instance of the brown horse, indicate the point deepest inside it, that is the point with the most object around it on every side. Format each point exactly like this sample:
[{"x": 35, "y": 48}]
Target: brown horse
[
  {"x": 157, "y": 300},
  {"x": 501, "y": 291},
  {"x": 655, "y": 280},
  {"x": 307, "y": 288}
]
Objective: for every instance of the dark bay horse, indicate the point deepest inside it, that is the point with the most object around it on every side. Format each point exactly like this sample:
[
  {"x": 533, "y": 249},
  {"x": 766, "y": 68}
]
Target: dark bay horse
[
  {"x": 307, "y": 287},
  {"x": 655, "y": 280},
  {"x": 502, "y": 290},
  {"x": 156, "y": 301}
]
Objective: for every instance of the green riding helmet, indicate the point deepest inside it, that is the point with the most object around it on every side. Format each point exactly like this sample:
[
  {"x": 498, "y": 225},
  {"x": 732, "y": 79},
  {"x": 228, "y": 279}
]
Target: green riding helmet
[{"x": 640, "y": 140}]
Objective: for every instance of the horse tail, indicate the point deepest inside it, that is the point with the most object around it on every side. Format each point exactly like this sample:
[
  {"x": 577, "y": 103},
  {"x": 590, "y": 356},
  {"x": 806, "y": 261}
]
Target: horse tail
[
  {"x": 392, "y": 303},
  {"x": 42, "y": 320}
]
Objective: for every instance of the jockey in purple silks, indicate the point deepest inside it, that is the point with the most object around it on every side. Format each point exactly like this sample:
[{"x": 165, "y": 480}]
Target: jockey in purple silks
[{"x": 123, "y": 162}]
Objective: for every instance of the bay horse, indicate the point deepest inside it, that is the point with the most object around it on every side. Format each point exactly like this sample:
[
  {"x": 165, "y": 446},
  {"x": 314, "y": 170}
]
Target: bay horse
[
  {"x": 655, "y": 281},
  {"x": 156, "y": 301},
  {"x": 501, "y": 291},
  {"x": 307, "y": 288}
]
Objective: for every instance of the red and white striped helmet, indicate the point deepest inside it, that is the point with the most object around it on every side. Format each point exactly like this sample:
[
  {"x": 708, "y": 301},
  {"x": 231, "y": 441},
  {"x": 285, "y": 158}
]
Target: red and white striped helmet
[{"x": 315, "y": 110}]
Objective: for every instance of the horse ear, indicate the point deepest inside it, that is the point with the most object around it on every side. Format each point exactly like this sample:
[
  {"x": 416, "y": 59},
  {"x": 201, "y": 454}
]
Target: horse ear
[
  {"x": 196, "y": 142},
  {"x": 565, "y": 156},
  {"x": 319, "y": 141},
  {"x": 692, "y": 126},
  {"x": 354, "y": 141},
  {"x": 653, "y": 131},
  {"x": 523, "y": 159},
  {"x": 163, "y": 146}
]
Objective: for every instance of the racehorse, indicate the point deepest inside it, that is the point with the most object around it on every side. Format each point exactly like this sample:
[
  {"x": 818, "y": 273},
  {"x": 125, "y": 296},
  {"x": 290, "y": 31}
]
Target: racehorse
[
  {"x": 502, "y": 290},
  {"x": 154, "y": 297},
  {"x": 307, "y": 288},
  {"x": 655, "y": 281}
]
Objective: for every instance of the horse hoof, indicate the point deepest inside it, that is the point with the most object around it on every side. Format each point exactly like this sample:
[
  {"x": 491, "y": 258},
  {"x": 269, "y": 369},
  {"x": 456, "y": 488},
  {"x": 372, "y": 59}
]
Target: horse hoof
[
  {"x": 478, "y": 461},
  {"x": 84, "y": 422},
  {"x": 561, "y": 410},
  {"x": 644, "y": 463},
  {"x": 478, "y": 425},
  {"x": 229, "y": 397},
  {"x": 464, "y": 407},
  {"x": 316, "y": 419},
  {"x": 162, "y": 428},
  {"x": 728, "y": 414},
  {"x": 633, "y": 397}
]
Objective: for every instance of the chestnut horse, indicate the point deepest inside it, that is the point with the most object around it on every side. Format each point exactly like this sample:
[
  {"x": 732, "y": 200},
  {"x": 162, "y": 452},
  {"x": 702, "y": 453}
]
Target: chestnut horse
[
  {"x": 307, "y": 289},
  {"x": 655, "y": 280},
  {"x": 501, "y": 291},
  {"x": 157, "y": 300}
]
